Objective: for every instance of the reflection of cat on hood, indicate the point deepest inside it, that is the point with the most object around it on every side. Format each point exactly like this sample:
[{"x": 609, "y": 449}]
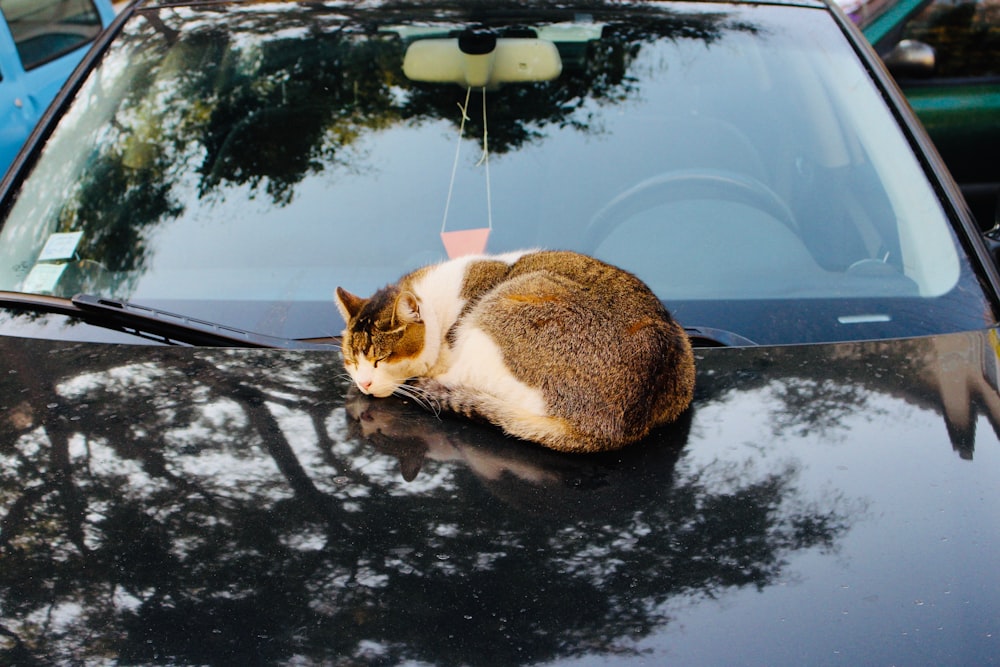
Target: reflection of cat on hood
[
  {"x": 412, "y": 438},
  {"x": 528, "y": 477}
]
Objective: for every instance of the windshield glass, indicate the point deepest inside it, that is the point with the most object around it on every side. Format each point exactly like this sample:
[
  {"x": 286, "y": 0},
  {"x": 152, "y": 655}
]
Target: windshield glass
[{"x": 239, "y": 163}]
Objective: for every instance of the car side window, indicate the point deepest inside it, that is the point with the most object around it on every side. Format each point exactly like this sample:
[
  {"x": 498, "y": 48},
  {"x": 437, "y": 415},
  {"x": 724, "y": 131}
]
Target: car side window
[
  {"x": 46, "y": 29},
  {"x": 965, "y": 36}
]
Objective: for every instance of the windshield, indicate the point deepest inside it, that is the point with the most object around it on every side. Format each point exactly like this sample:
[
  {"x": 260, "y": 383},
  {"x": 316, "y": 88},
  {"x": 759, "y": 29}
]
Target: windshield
[{"x": 238, "y": 164}]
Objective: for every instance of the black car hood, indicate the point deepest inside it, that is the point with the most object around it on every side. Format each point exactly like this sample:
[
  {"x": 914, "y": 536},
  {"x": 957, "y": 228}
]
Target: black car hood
[{"x": 818, "y": 504}]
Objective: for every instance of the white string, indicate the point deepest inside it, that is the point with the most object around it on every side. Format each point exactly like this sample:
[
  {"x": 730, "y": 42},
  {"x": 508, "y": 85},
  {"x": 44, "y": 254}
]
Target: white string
[
  {"x": 458, "y": 148},
  {"x": 483, "y": 160}
]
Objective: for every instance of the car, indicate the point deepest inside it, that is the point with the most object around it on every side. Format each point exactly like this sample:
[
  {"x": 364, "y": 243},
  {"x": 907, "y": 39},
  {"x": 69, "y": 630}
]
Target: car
[
  {"x": 188, "y": 477},
  {"x": 41, "y": 41},
  {"x": 946, "y": 57}
]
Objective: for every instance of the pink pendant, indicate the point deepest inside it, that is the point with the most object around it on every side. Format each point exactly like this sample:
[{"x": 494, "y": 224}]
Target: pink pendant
[{"x": 465, "y": 242}]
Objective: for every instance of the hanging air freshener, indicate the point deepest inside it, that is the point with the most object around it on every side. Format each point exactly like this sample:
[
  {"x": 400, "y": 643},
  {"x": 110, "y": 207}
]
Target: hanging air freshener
[
  {"x": 468, "y": 241},
  {"x": 477, "y": 59}
]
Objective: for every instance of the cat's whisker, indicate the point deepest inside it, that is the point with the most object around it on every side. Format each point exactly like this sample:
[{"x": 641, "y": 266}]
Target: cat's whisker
[
  {"x": 405, "y": 391},
  {"x": 420, "y": 397}
]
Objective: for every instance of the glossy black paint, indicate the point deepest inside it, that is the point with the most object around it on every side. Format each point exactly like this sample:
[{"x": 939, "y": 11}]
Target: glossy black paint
[{"x": 820, "y": 504}]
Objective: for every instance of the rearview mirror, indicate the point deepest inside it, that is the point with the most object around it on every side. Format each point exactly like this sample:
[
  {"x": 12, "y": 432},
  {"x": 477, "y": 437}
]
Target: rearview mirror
[{"x": 482, "y": 60}]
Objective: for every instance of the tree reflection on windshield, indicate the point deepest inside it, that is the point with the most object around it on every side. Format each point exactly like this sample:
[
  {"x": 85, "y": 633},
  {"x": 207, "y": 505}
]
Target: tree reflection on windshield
[{"x": 250, "y": 107}]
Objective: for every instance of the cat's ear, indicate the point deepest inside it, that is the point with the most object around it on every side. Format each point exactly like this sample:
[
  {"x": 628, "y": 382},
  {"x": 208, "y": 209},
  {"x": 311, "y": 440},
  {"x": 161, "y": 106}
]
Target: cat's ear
[
  {"x": 348, "y": 304},
  {"x": 410, "y": 463},
  {"x": 407, "y": 308}
]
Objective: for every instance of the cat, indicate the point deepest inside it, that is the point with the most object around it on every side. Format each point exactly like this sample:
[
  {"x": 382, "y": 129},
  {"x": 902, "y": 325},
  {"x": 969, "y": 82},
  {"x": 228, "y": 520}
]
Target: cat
[{"x": 554, "y": 347}]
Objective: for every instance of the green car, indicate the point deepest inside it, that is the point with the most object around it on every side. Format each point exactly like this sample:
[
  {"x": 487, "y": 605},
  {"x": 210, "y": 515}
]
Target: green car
[{"x": 945, "y": 55}]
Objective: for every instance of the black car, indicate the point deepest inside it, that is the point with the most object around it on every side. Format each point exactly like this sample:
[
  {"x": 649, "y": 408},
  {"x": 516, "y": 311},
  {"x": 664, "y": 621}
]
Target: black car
[{"x": 189, "y": 479}]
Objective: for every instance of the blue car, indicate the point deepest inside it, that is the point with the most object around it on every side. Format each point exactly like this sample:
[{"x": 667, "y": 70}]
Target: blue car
[{"x": 41, "y": 41}]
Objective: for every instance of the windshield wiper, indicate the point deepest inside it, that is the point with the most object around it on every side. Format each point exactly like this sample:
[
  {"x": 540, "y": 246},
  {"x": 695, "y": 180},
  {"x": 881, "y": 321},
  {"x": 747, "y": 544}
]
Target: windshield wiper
[
  {"x": 151, "y": 323},
  {"x": 713, "y": 337},
  {"x": 174, "y": 329}
]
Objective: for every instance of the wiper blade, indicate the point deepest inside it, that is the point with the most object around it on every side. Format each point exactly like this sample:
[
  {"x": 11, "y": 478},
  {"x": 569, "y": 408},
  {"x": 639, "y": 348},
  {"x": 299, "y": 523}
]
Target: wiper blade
[
  {"x": 153, "y": 324},
  {"x": 174, "y": 329},
  {"x": 713, "y": 337}
]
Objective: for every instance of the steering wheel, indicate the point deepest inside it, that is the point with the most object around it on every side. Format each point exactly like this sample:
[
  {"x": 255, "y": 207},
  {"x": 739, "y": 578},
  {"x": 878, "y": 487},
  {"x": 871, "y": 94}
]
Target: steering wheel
[{"x": 685, "y": 184}]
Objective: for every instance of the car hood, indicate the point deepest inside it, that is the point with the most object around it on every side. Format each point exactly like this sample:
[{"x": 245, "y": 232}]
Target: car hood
[{"x": 822, "y": 503}]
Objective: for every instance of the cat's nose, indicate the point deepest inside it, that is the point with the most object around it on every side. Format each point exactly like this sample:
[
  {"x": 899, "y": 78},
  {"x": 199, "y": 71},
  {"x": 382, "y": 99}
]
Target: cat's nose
[{"x": 365, "y": 385}]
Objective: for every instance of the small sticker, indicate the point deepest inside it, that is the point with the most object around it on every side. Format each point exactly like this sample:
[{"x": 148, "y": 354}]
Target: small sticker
[
  {"x": 43, "y": 278},
  {"x": 60, "y": 246}
]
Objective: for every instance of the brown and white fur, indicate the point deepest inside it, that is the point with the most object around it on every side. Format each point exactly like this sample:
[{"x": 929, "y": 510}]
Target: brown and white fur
[{"x": 553, "y": 347}]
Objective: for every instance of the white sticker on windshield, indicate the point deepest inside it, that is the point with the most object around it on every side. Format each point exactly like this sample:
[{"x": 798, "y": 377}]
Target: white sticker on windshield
[
  {"x": 43, "y": 278},
  {"x": 60, "y": 246}
]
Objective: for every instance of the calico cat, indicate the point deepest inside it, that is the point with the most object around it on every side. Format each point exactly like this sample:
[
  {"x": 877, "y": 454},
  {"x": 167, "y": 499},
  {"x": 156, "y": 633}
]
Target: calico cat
[{"x": 553, "y": 347}]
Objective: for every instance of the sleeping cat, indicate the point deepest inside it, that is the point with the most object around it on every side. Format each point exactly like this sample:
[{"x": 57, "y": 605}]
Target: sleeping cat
[{"x": 553, "y": 347}]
